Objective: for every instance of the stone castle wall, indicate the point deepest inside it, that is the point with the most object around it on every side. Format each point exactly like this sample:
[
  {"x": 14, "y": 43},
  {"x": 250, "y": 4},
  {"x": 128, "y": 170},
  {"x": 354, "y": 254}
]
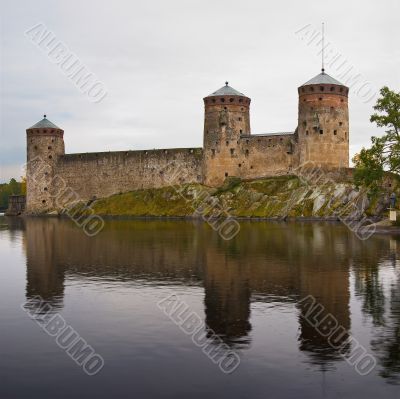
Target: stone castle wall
[{"x": 88, "y": 176}]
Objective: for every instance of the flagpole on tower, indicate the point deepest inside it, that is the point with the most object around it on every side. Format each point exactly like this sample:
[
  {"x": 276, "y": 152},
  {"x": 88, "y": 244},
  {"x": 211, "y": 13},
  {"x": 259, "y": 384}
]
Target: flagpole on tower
[{"x": 323, "y": 45}]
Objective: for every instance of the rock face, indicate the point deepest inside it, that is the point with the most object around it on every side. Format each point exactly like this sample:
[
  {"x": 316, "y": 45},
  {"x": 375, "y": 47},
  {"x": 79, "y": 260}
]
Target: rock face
[{"x": 278, "y": 197}]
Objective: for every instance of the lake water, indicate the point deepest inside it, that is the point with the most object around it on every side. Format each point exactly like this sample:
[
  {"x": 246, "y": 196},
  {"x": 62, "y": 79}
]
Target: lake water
[{"x": 248, "y": 293}]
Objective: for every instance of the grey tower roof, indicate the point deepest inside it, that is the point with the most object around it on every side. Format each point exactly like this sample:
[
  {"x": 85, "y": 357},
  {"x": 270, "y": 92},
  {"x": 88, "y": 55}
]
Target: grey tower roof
[
  {"x": 323, "y": 78},
  {"x": 226, "y": 91},
  {"x": 44, "y": 123}
]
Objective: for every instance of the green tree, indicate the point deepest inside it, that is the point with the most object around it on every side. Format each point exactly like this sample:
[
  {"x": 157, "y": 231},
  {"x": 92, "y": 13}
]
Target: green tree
[{"x": 384, "y": 154}]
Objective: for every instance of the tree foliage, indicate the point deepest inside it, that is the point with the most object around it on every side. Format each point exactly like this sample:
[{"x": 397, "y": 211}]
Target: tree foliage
[
  {"x": 384, "y": 153},
  {"x": 10, "y": 188}
]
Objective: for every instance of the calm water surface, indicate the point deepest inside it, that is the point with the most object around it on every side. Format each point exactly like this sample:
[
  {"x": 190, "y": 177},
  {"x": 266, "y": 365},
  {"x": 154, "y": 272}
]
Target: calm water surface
[{"x": 247, "y": 290}]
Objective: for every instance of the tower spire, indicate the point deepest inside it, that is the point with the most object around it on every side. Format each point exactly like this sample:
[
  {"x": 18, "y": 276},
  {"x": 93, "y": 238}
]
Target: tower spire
[{"x": 323, "y": 46}]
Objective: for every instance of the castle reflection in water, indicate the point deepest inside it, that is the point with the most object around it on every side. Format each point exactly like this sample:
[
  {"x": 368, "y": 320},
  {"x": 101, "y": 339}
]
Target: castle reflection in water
[{"x": 275, "y": 263}]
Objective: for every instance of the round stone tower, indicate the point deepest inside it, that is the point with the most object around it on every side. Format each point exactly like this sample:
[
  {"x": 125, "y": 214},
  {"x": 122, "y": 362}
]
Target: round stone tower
[
  {"x": 45, "y": 144},
  {"x": 226, "y": 119},
  {"x": 323, "y": 124}
]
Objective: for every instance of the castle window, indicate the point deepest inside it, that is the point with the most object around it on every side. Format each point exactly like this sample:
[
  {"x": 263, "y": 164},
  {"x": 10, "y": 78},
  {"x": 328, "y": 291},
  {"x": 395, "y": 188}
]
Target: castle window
[
  {"x": 304, "y": 123},
  {"x": 35, "y": 147},
  {"x": 213, "y": 100},
  {"x": 340, "y": 123},
  {"x": 213, "y": 152},
  {"x": 232, "y": 151},
  {"x": 52, "y": 140},
  {"x": 335, "y": 132},
  {"x": 240, "y": 119},
  {"x": 45, "y": 131},
  {"x": 311, "y": 88},
  {"x": 269, "y": 140},
  {"x": 52, "y": 131},
  {"x": 226, "y": 174},
  {"x": 251, "y": 167},
  {"x": 227, "y": 142},
  {"x": 45, "y": 189},
  {"x": 332, "y": 88},
  {"x": 312, "y": 108},
  {"x": 49, "y": 147},
  {"x": 241, "y": 109},
  {"x": 321, "y": 132},
  {"x": 241, "y": 131},
  {"x": 231, "y": 100},
  {"x": 341, "y": 89},
  {"x": 281, "y": 139},
  {"x": 241, "y": 100},
  {"x": 341, "y": 100},
  {"x": 320, "y": 99},
  {"x": 216, "y": 143},
  {"x": 225, "y": 108},
  {"x": 332, "y": 108},
  {"x": 240, "y": 165},
  {"x": 321, "y": 88},
  {"x": 43, "y": 201},
  {"x": 50, "y": 157},
  {"x": 247, "y": 152},
  {"x": 222, "y": 100},
  {"x": 345, "y": 134},
  {"x": 247, "y": 141},
  {"x": 302, "y": 89},
  {"x": 306, "y": 132}
]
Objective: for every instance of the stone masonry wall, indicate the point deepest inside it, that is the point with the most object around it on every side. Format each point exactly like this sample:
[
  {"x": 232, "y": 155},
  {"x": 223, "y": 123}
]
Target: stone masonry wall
[{"x": 101, "y": 174}]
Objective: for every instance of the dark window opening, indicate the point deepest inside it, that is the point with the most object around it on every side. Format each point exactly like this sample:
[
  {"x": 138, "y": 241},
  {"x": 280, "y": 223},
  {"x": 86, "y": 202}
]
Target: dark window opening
[
  {"x": 225, "y": 108},
  {"x": 304, "y": 123},
  {"x": 340, "y": 123},
  {"x": 35, "y": 147},
  {"x": 43, "y": 201},
  {"x": 341, "y": 100},
  {"x": 335, "y": 132},
  {"x": 247, "y": 152},
  {"x": 251, "y": 167},
  {"x": 320, "y": 99},
  {"x": 321, "y": 88},
  {"x": 341, "y": 89},
  {"x": 50, "y": 157},
  {"x": 45, "y": 189},
  {"x": 226, "y": 174},
  {"x": 240, "y": 118},
  {"x": 241, "y": 131},
  {"x": 213, "y": 152},
  {"x": 227, "y": 142},
  {"x": 241, "y": 100},
  {"x": 321, "y": 132},
  {"x": 332, "y": 88},
  {"x": 232, "y": 151},
  {"x": 231, "y": 100},
  {"x": 306, "y": 132},
  {"x": 240, "y": 165},
  {"x": 222, "y": 100},
  {"x": 213, "y": 100},
  {"x": 49, "y": 147}
]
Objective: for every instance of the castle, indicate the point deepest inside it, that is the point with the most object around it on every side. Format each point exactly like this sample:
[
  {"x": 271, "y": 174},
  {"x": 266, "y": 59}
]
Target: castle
[{"x": 229, "y": 149}]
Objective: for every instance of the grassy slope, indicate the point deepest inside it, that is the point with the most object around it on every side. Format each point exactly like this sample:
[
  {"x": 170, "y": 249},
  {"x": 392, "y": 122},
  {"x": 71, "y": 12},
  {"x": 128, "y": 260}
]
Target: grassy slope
[{"x": 270, "y": 197}]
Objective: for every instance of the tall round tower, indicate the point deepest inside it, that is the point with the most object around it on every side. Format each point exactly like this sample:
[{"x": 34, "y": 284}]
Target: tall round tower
[
  {"x": 323, "y": 124},
  {"x": 226, "y": 119},
  {"x": 45, "y": 144}
]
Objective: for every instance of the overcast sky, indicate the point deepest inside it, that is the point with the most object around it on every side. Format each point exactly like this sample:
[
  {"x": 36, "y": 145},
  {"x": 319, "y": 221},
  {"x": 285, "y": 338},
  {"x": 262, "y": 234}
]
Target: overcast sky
[{"x": 158, "y": 59}]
